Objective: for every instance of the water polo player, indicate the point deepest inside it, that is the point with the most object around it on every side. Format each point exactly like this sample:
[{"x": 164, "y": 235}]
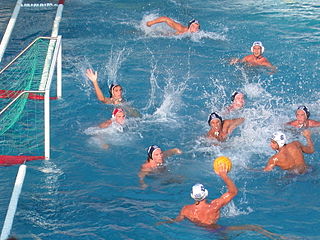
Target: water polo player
[{"x": 193, "y": 25}]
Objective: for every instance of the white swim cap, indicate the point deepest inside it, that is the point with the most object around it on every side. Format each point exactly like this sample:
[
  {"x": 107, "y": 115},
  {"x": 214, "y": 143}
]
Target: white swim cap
[
  {"x": 280, "y": 138},
  {"x": 198, "y": 192},
  {"x": 257, "y": 43}
]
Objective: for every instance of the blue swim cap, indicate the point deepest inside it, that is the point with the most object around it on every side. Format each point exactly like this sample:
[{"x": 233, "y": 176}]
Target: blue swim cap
[
  {"x": 233, "y": 95},
  {"x": 213, "y": 116},
  {"x": 305, "y": 109},
  {"x": 151, "y": 149},
  {"x": 193, "y": 21}
]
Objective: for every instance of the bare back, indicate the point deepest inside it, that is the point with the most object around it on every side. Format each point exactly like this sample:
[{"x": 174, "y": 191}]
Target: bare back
[
  {"x": 290, "y": 158},
  {"x": 203, "y": 213}
]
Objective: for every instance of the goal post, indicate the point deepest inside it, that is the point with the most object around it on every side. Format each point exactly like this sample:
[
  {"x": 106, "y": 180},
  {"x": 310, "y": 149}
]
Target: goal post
[{"x": 20, "y": 83}]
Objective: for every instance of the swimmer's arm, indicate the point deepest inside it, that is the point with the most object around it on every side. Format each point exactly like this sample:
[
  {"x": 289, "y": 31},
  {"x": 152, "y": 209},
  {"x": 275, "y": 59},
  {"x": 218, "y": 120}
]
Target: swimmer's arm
[
  {"x": 269, "y": 65},
  {"x": 93, "y": 76},
  {"x": 309, "y": 148},
  {"x": 179, "y": 218},
  {"x": 171, "y": 152},
  {"x": 239, "y": 60},
  {"x": 314, "y": 123},
  {"x": 271, "y": 164},
  {"x": 229, "y": 195},
  {"x": 232, "y": 124},
  {"x": 177, "y": 26},
  {"x": 292, "y": 123},
  {"x": 142, "y": 174},
  {"x": 234, "y": 61},
  {"x": 246, "y": 59},
  {"x": 266, "y": 63},
  {"x": 105, "y": 124}
]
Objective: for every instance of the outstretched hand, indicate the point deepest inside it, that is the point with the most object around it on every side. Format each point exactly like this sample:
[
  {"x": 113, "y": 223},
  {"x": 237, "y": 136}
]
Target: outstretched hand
[
  {"x": 234, "y": 61},
  {"x": 92, "y": 75},
  {"x": 177, "y": 151},
  {"x": 167, "y": 220}
]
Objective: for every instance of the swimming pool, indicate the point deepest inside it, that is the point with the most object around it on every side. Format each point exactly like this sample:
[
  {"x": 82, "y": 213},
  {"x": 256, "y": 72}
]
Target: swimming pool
[{"x": 88, "y": 192}]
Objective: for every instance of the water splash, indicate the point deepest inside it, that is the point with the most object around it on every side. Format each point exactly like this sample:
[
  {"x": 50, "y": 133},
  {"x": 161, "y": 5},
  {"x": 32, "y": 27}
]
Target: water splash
[{"x": 112, "y": 66}]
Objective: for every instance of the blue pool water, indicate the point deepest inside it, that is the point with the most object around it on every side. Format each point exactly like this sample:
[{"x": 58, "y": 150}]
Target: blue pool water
[{"x": 88, "y": 192}]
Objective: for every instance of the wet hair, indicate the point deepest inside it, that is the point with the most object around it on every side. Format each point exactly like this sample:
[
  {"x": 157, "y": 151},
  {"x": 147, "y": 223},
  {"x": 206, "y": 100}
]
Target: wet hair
[
  {"x": 193, "y": 21},
  {"x": 112, "y": 86},
  {"x": 151, "y": 149},
  {"x": 213, "y": 116},
  {"x": 305, "y": 109}
]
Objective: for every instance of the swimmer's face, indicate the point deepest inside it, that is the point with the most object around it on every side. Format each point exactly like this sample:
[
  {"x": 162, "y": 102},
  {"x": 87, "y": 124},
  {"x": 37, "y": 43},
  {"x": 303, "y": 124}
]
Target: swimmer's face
[
  {"x": 301, "y": 116},
  {"x": 239, "y": 100},
  {"x": 117, "y": 92},
  {"x": 216, "y": 124},
  {"x": 194, "y": 27},
  {"x": 256, "y": 51},
  {"x": 157, "y": 155},
  {"x": 274, "y": 145},
  {"x": 120, "y": 117}
]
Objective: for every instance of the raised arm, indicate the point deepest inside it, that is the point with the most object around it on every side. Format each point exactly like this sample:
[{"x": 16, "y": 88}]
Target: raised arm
[
  {"x": 231, "y": 124},
  {"x": 230, "y": 194},
  {"x": 309, "y": 148},
  {"x": 93, "y": 77},
  {"x": 171, "y": 152},
  {"x": 177, "y": 26}
]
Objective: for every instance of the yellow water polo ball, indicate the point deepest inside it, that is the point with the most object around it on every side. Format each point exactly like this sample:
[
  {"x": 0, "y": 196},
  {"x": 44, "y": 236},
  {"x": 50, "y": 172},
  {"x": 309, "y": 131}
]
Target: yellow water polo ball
[{"x": 221, "y": 161}]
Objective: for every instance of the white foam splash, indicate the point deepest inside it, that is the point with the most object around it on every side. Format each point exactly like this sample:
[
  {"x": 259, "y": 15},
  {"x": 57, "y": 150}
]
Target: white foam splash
[{"x": 114, "y": 62}]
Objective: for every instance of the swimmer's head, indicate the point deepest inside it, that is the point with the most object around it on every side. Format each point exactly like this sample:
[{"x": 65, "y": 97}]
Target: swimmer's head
[
  {"x": 198, "y": 192},
  {"x": 258, "y": 43},
  {"x": 151, "y": 149},
  {"x": 237, "y": 99},
  {"x": 194, "y": 25},
  {"x": 280, "y": 138},
  {"x": 214, "y": 115},
  {"x": 118, "y": 115},
  {"x": 305, "y": 109},
  {"x": 115, "y": 89}
]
